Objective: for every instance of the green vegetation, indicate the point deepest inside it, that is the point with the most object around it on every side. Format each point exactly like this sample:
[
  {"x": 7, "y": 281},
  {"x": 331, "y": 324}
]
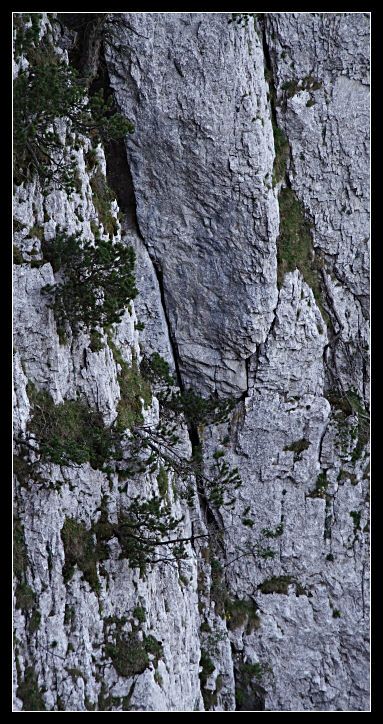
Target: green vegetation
[
  {"x": 70, "y": 432},
  {"x": 292, "y": 87},
  {"x": 248, "y": 690},
  {"x": 20, "y": 558},
  {"x": 207, "y": 667},
  {"x": 102, "y": 198},
  {"x": 17, "y": 256},
  {"x": 26, "y": 28},
  {"x": 298, "y": 448},
  {"x": 96, "y": 343},
  {"x": 130, "y": 654},
  {"x": 139, "y": 613},
  {"x": 344, "y": 405},
  {"x": 98, "y": 281},
  {"x": 29, "y": 691},
  {"x": 144, "y": 529},
  {"x": 295, "y": 249},
  {"x": 356, "y": 516},
  {"x": 135, "y": 390},
  {"x": 25, "y": 596},
  {"x": 242, "y": 612},
  {"x": 270, "y": 533},
  {"x": 91, "y": 159},
  {"x": 163, "y": 482},
  {"x": 282, "y": 152},
  {"x": 242, "y": 19},
  {"x": 79, "y": 550},
  {"x": 34, "y": 621},
  {"x": 321, "y": 486},
  {"x": 156, "y": 369},
  {"x": 197, "y": 410},
  {"x": 218, "y": 590},
  {"x": 276, "y": 584},
  {"x": 46, "y": 91}
]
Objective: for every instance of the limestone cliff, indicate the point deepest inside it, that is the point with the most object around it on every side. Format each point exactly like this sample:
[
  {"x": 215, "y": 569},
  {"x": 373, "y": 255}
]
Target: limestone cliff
[{"x": 234, "y": 386}]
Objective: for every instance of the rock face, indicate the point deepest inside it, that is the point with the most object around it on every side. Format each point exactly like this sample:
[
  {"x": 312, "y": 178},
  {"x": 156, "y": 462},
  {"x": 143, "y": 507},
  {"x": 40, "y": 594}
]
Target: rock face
[
  {"x": 201, "y": 160},
  {"x": 268, "y": 610}
]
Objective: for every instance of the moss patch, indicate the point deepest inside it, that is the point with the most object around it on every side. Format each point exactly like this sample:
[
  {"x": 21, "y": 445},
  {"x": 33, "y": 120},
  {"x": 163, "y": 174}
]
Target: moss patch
[
  {"x": 102, "y": 199},
  {"x": 69, "y": 432},
  {"x": 282, "y": 152},
  {"x": 79, "y": 550},
  {"x": 242, "y": 613},
  {"x": 163, "y": 482},
  {"x": 135, "y": 391},
  {"x": 29, "y": 692},
  {"x": 297, "y": 448},
  {"x": 276, "y": 584},
  {"x": 295, "y": 248}
]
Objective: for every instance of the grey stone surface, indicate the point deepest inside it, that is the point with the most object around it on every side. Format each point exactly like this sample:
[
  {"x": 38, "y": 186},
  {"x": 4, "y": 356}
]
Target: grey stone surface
[
  {"x": 201, "y": 160},
  {"x": 330, "y": 152}
]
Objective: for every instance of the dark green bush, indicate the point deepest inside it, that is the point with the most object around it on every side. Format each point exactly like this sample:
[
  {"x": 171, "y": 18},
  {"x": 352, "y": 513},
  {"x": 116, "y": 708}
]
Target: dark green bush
[
  {"x": 48, "y": 90},
  {"x": 79, "y": 550},
  {"x": 98, "y": 281}
]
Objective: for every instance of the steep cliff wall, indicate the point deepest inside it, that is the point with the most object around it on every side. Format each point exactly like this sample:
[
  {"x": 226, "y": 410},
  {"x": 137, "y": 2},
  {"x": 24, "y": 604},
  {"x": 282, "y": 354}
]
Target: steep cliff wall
[{"x": 244, "y": 193}]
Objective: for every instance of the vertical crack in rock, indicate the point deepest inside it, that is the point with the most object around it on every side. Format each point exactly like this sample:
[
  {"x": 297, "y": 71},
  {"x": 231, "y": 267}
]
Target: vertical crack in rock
[{"x": 274, "y": 609}]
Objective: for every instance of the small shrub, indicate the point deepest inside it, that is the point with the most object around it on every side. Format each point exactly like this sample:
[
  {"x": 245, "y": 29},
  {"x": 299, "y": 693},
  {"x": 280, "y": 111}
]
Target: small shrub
[
  {"x": 163, "y": 482},
  {"x": 35, "y": 621},
  {"x": 139, "y": 613},
  {"x": 98, "y": 281},
  {"x": 25, "y": 597},
  {"x": 321, "y": 486},
  {"x": 144, "y": 528},
  {"x": 207, "y": 667},
  {"x": 356, "y": 516},
  {"x": 130, "y": 655},
  {"x": 26, "y": 28},
  {"x": 156, "y": 368},
  {"x": 242, "y": 613},
  {"x": 20, "y": 557},
  {"x": 17, "y": 256},
  {"x": 102, "y": 198},
  {"x": 276, "y": 584},
  {"x": 270, "y": 533},
  {"x": 79, "y": 550},
  {"x": 91, "y": 159},
  {"x": 135, "y": 391},
  {"x": 29, "y": 691},
  {"x": 70, "y": 432},
  {"x": 47, "y": 90},
  {"x": 298, "y": 448},
  {"x": 96, "y": 343}
]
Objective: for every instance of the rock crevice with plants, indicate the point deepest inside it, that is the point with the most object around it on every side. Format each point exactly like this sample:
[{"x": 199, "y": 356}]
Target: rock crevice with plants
[{"x": 191, "y": 475}]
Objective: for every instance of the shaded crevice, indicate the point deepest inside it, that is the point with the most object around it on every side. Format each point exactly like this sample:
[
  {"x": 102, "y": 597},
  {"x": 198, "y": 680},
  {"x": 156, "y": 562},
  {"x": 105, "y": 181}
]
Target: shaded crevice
[{"x": 325, "y": 303}]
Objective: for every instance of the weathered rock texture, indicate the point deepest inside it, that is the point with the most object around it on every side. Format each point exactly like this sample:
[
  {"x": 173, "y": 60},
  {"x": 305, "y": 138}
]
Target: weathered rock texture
[{"x": 270, "y": 611}]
